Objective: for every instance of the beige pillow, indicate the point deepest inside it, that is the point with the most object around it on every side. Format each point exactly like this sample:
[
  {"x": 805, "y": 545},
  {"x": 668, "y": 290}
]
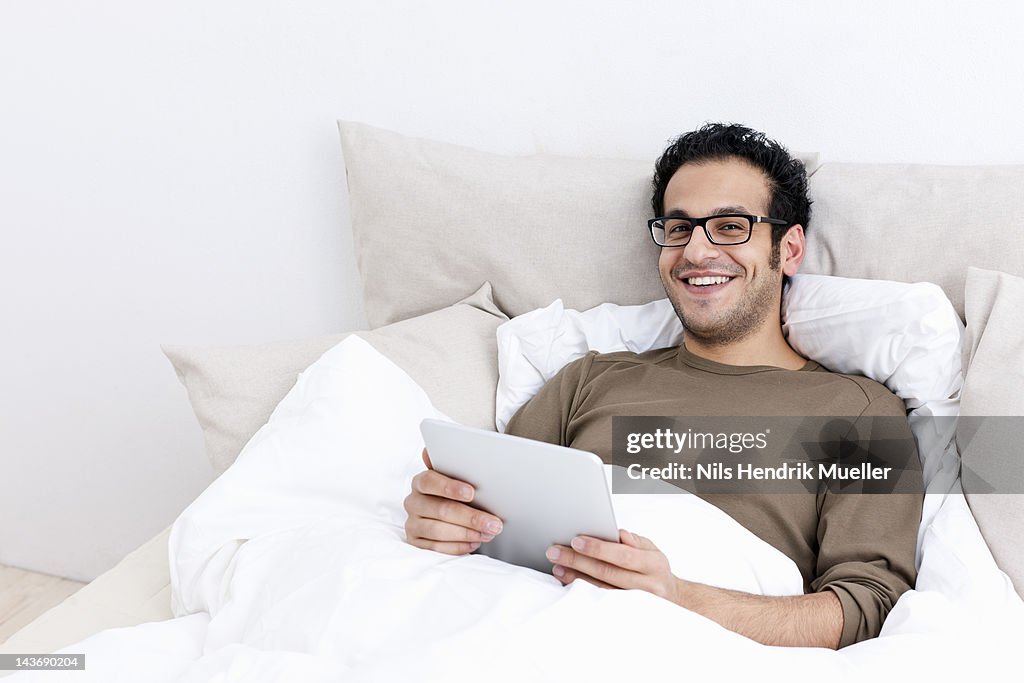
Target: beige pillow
[
  {"x": 991, "y": 449},
  {"x": 915, "y": 222},
  {"x": 451, "y": 353},
  {"x": 431, "y": 220}
]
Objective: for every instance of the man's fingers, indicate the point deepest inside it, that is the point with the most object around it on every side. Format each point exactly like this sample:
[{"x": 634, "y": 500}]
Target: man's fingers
[
  {"x": 436, "y": 530},
  {"x": 636, "y": 540},
  {"x": 426, "y": 459},
  {"x": 613, "y": 563},
  {"x": 567, "y": 576},
  {"x": 603, "y": 571},
  {"x": 448, "y": 548},
  {"x": 451, "y": 511},
  {"x": 434, "y": 483},
  {"x": 618, "y": 554}
]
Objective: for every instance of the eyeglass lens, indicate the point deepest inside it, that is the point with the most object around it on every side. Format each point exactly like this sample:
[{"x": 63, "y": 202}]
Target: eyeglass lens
[{"x": 676, "y": 232}]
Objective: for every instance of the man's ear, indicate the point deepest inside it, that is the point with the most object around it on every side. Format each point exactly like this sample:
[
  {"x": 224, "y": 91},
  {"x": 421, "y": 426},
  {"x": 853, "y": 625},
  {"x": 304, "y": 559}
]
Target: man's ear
[{"x": 792, "y": 249}]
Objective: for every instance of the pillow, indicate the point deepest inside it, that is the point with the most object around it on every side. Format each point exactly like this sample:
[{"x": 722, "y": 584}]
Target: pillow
[
  {"x": 450, "y": 353},
  {"x": 477, "y": 216},
  {"x": 995, "y": 329},
  {"x": 863, "y": 211},
  {"x": 905, "y": 336}
]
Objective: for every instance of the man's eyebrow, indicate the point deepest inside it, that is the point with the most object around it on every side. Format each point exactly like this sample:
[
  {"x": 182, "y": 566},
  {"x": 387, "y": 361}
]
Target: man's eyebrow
[
  {"x": 729, "y": 209},
  {"x": 680, "y": 213}
]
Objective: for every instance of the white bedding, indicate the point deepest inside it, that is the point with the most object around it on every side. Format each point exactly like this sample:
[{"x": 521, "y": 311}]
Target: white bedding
[{"x": 292, "y": 567}]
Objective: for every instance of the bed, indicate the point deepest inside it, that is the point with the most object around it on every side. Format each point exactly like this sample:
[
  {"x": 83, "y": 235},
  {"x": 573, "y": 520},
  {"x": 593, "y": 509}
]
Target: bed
[{"x": 490, "y": 244}]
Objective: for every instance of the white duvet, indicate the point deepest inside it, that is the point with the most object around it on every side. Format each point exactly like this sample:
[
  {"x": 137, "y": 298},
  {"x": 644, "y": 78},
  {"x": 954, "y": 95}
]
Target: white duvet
[{"x": 292, "y": 567}]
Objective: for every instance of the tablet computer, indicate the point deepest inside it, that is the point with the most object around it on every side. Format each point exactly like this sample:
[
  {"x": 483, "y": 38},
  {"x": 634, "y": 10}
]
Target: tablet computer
[{"x": 543, "y": 493}]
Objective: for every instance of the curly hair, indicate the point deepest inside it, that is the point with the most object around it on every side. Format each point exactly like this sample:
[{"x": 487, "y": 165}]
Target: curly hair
[{"x": 787, "y": 177}]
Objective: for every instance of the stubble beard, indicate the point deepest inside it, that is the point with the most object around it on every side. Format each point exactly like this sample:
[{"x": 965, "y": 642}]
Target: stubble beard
[{"x": 749, "y": 314}]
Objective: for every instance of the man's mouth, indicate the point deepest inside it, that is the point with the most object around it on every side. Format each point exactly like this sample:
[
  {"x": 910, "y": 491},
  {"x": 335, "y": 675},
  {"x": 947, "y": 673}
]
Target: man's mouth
[{"x": 707, "y": 281}]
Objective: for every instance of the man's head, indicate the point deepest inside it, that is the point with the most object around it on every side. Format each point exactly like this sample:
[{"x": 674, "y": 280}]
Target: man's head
[{"x": 730, "y": 169}]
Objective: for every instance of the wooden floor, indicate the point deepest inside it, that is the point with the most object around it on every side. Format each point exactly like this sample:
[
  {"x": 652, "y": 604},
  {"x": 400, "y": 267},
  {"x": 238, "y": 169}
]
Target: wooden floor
[{"x": 24, "y": 595}]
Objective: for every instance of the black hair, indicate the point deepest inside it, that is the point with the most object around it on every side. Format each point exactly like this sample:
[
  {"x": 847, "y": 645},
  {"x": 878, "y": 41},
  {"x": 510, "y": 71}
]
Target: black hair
[{"x": 787, "y": 177}]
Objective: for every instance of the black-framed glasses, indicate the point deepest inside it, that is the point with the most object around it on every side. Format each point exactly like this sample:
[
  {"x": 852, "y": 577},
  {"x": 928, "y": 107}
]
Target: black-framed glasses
[{"x": 727, "y": 229}]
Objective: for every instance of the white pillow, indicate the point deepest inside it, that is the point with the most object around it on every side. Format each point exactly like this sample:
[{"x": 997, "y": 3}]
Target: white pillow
[
  {"x": 233, "y": 389},
  {"x": 906, "y": 336}
]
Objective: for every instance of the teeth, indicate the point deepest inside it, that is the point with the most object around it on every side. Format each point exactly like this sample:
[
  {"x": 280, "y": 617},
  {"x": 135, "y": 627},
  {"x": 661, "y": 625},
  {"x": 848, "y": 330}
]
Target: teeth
[{"x": 713, "y": 280}]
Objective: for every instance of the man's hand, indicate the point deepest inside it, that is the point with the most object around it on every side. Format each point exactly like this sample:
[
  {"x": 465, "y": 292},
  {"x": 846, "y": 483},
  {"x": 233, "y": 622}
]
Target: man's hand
[
  {"x": 634, "y": 563},
  {"x": 814, "y": 620},
  {"x": 439, "y": 518}
]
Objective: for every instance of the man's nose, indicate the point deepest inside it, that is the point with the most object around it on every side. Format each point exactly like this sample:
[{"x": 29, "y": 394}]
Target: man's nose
[{"x": 700, "y": 248}]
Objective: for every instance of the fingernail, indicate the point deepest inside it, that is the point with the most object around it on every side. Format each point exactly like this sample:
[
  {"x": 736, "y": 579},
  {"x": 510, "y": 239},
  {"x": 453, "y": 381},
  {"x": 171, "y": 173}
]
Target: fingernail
[
  {"x": 558, "y": 570},
  {"x": 493, "y": 526},
  {"x": 552, "y": 553},
  {"x": 578, "y": 543},
  {"x": 474, "y": 545},
  {"x": 465, "y": 492},
  {"x": 487, "y": 537}
]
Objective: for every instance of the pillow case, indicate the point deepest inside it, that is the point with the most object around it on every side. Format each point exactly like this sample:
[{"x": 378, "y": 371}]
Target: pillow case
[
  {"x": 233, "y": 389},
  {"x": 477, "y": 216},
  {"x": 450, "y": 353},
  {"x": 943, "y": 242},
  {"x": 906, "y": 336},
  {"x": 995, "y": 329}
]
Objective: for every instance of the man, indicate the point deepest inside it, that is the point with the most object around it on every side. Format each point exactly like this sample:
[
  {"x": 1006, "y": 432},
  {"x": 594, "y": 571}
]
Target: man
[{"x": 731, "y": 206}]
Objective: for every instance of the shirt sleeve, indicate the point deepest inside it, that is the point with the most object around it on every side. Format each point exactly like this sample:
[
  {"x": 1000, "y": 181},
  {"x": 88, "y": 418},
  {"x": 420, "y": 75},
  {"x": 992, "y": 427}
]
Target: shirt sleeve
[
  {"x": 867, "y": 541},
  {"x": 545, "y": 417}
]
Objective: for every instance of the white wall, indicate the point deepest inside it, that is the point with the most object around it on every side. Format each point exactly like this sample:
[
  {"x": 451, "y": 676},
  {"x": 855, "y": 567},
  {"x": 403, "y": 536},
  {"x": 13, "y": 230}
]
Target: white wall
[{"x": 169, "y": 172}]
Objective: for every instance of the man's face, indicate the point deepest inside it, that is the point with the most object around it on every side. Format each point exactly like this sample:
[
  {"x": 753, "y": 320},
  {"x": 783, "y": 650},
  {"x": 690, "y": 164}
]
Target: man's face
[{"x": 723, "y": 313}]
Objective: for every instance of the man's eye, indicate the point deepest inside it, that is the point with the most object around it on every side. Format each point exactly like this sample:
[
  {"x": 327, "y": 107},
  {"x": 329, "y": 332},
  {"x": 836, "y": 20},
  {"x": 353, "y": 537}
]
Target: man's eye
[
  {"x": 677, "y": 229},
  {"x": 731, "y": 226}
]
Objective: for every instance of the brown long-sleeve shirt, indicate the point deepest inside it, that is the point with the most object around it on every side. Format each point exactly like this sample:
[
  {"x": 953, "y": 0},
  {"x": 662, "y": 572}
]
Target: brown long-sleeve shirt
[{"x": 860, "y": 546}]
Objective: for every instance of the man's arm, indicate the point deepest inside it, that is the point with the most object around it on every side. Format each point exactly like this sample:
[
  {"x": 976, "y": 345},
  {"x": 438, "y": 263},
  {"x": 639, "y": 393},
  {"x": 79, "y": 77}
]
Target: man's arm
[
  {"x": 867, "y": 541},
  {"x": 814, "y": 620}
]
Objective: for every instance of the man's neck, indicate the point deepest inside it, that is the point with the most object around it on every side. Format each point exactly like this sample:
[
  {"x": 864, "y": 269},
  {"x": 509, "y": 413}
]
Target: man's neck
[{"x": 765, "y": 347}]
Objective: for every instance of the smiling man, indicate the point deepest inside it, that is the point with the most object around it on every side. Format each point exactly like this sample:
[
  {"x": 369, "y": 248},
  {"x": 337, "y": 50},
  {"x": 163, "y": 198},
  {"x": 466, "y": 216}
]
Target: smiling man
[
  {"x": 726, "y": 284},
  {"x": 731, "y": 207}
]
